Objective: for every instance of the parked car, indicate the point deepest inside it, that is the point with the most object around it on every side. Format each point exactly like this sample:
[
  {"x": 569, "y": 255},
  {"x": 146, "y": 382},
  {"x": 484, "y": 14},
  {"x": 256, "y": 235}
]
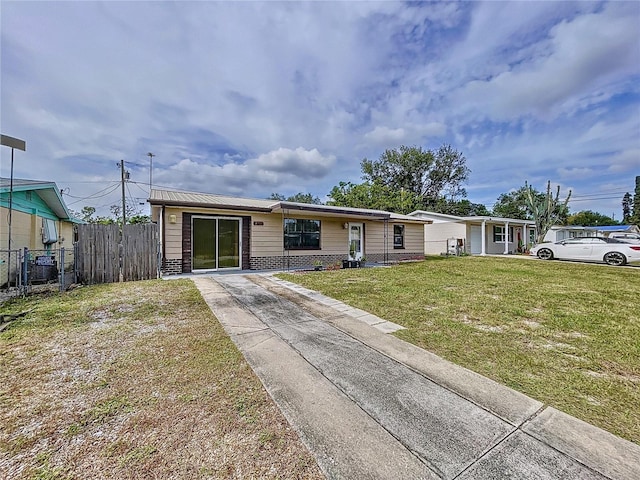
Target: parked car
[
  {"x": 589, "y": 249},
  {"x": 626, "y": 237}
]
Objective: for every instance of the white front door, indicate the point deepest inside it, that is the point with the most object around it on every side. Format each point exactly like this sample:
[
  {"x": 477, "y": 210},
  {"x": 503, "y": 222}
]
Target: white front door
[
  {"x": 476, "y": 240},
  {"x": 356, "y": 241}
]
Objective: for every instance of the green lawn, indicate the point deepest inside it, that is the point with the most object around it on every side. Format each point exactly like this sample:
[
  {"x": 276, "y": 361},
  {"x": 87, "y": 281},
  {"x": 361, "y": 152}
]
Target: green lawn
[
  {"x": 567, "y": 334},
  {"x": 135, "y": 380}
]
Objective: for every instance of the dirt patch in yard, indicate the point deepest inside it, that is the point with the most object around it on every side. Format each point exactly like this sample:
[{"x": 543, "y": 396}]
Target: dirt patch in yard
[{"x": 135, "y": 381}]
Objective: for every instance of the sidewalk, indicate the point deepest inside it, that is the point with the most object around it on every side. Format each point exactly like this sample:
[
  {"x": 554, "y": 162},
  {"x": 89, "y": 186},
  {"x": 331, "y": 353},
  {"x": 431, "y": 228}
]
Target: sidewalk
[{"x": 369, "y": 405}]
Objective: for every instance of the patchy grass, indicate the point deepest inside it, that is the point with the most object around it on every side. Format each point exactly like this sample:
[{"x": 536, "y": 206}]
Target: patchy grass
[
  {"x": 135, "y": 380},
  {"x": 567, "y": 334}
]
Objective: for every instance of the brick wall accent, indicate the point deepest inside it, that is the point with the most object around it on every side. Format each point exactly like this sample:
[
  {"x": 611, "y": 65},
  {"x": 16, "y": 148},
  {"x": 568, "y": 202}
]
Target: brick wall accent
[
  {"x": 172, "y": 266},
  {"x": 302, "y": 261}
]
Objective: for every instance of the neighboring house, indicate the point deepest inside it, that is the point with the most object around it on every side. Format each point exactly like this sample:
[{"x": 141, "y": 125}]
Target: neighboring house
[
  {"x": 557, "y": 233},
  {"x": 478, "y": 235},
  {"x": 206, "y": 232},
  {"x": 40, "y": 220}
]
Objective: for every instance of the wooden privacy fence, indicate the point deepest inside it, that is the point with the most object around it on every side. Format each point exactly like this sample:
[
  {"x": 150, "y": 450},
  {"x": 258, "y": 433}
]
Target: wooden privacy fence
[{"x": 103, "y": 255}]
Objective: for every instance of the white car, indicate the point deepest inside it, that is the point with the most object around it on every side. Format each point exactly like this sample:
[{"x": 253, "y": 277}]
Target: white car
[
  {"x": 590, "y": 249},
  {"x": 626, "y": 237}
]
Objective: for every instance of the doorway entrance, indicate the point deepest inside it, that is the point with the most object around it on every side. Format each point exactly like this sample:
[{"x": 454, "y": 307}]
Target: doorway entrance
[
  {"x": 216, "y": 243},
  {"x": 356, "y": 241}
]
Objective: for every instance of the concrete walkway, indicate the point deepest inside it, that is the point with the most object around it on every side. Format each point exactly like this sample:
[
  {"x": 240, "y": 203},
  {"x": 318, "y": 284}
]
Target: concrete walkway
[{"x": 369, "y": 405}]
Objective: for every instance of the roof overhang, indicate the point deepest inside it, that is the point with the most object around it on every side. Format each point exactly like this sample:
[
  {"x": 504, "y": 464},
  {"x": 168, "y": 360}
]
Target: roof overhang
[
  {"x": 330, "y": 211},
  {"x": 47, "y": 191},
  {"x": 218, "y": 206}
]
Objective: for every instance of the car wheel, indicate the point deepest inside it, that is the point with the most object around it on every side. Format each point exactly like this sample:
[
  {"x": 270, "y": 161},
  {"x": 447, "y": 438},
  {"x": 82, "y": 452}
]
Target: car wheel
[
  {"x": 615, "y": 258},
  {"x": 545, "y": 254}
]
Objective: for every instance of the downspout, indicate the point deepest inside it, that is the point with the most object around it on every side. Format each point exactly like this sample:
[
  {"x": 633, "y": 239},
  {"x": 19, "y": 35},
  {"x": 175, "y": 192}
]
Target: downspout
[
  {"x": 483, "y": 239},
  {"x": 162, "y": 235}
]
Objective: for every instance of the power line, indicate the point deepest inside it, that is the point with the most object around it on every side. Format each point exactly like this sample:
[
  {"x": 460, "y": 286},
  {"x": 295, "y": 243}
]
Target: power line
[{"x": 95, "y": 195}]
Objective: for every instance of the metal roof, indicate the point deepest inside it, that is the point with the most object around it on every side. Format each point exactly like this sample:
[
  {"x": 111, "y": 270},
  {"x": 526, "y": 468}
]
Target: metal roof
[
  {"x": 193, "y": 199},
  {"x": 472, "y": 218},
  {"x": 169, "y": 197}
]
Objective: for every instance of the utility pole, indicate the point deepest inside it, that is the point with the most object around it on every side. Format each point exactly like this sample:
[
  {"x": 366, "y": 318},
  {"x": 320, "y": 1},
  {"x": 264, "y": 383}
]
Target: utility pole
[
  {"x": 122, "y": 176},
  {"x": 150, "y": 155}
]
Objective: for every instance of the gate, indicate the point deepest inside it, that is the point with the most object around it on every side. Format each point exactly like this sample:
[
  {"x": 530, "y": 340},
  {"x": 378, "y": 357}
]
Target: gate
[{"x": 103, "y": 255}]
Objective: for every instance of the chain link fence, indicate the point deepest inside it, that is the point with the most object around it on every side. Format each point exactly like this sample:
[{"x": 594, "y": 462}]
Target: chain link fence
[{"x": 22, "y": 271}]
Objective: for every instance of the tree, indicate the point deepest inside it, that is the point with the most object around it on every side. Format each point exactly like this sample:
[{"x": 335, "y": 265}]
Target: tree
[
  {"x": 588, "y": 218},
  {"x": 627, "y": 202},
  {"x": 373, "y": 196},
  {"x": 87, "y": 215},
  {"x": 635, "y": 216},
  {"x": 406, "y": 179},
  {"x": 138, "y": 219},
  {"x": 548, "y": 211},
  {"x": 514, "y": 204},
  {"x": 460, "y": 208},
  {"x": 133, "y": 215},
  {"x": 425, "y": 174},
  {"x": 297, "y": 198}
]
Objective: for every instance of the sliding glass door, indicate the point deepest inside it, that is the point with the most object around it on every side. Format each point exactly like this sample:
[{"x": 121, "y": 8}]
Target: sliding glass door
[{"x": 216, "y": 243}]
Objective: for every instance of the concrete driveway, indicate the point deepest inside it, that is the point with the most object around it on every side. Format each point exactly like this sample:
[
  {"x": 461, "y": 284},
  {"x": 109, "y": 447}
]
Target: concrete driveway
[{"x": 369, "y": 405}]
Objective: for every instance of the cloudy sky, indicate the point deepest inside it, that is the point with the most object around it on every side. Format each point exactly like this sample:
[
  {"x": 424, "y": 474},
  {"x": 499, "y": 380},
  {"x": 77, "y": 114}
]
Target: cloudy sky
[{"x": 250, "y": 98}]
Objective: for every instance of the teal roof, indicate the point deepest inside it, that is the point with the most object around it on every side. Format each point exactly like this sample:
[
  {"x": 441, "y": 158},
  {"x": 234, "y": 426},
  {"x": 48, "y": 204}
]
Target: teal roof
[{"x": 47, "y": 191}]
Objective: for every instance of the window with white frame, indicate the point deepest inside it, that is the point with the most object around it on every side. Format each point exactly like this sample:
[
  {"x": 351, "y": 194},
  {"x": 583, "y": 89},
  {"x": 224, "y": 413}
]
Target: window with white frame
[{"x": 499, "y": 233}]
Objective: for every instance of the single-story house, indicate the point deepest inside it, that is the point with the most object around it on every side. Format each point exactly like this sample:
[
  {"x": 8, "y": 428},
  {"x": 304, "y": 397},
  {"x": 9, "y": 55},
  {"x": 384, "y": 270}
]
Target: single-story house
[
  {"x": 204, "y": 232},
  {"x": 40, "y": 221},
  {"x": 557, "y": 233},
  {"x": 476, "y": 235}
]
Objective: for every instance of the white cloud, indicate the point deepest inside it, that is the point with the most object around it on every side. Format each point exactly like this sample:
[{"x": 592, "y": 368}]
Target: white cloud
[
  {"x": 385, "y": 136},
  {"x": 277, "y": 170},
  {"x": 575, "y": 173},
  {"x": 625, "y": 161},
  {"x": 526, "y": 90},
  {"x": 579, "y": 55}
]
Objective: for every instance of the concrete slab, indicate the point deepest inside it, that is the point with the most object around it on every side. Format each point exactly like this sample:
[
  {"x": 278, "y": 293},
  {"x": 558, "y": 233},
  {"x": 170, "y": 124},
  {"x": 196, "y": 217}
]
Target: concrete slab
[
  {"x": 508, "y": 404},
  {"x": 370, "y": 319},
  {"x": 444, "y": 430},
  {"x": 600, "y": 450},
  {"x": 522, "y": 457},
  {"x": 347, "y": 442},
  {"x": 388, "y": 327},
  {"x": 369, "y": 405}
]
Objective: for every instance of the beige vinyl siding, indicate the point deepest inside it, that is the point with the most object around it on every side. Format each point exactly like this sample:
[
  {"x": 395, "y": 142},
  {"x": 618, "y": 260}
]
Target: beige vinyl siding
[
  {"x": 413, "y": 237},
  {"x": 173, "y": 234},
  {"x": 436, "y": 235},
  {"x": 267, "y": 239},
  {"x": 267, "y": 236},
  {"x": 374, "y": 238}
]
